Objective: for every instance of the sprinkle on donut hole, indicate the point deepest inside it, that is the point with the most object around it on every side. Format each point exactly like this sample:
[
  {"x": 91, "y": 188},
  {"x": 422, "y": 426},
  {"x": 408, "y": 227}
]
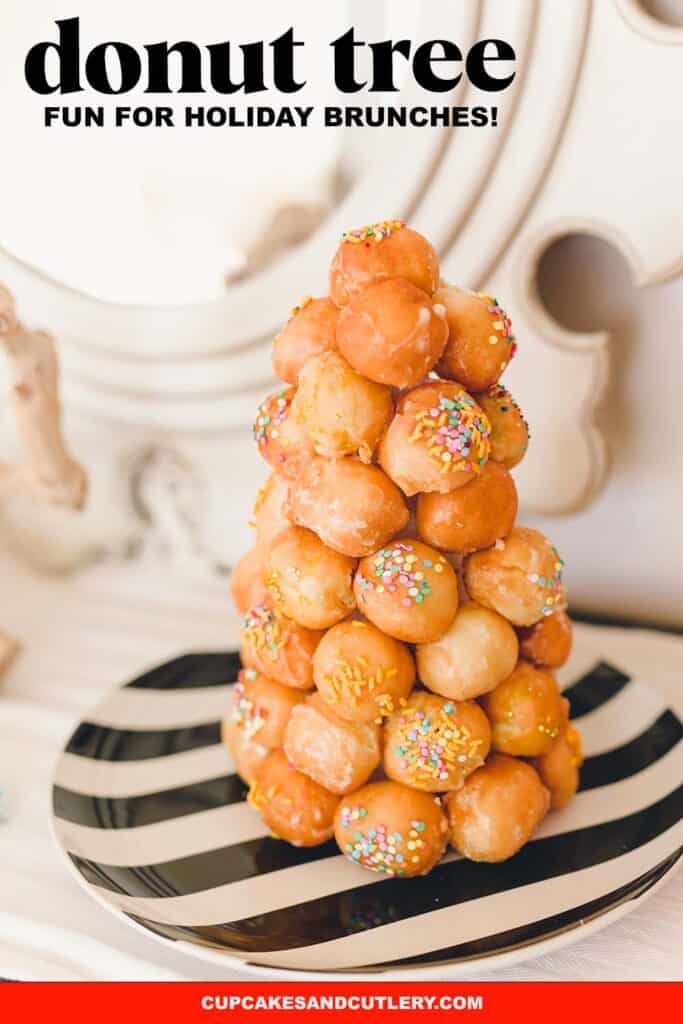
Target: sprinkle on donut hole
[
  {"x": 408, "y": 590},
  {"x": 278, "y": 646},
  {"x": 519, "y": 577},
  {"x": 362, "y": 673},
  {"x": 433, "y": 744},
  {"x": 391, "y": 829},
  {"x": 279, "y": 438},
  {"x": 380, "y": 251},
  {"x": 437, "y": 441},
  {"x": 509, "y": 429},
  {"x": 480, "y": 339}
]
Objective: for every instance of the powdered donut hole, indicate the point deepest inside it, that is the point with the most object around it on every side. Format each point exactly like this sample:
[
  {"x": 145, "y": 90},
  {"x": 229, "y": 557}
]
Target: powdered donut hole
[
  {"x": 246, "y": 752},
  {"x": 497, "y": 810},
  {"x": 353, "y": 508},
  {"x": 309, "y": 582},
  {"x": 338, "y": 754},
  {"x": 392, "y": 333},
  {"x": 527, "y": 712},
  {"x": 309, "y": 331},
  {"x": 548, "y": 643},
  {"x": 278, "y": 646},
  {"x": 292, "y": 805},
  {"x": 391, "y": 829},
  {"x": 270, "y": 513},
  {"x": 362, "y": 673},
  {"x": 280, "y": 439},
  {"x": 433, "y": 744},
  {"x": 480, "y": 340},
  {"x": 246, "y": 580},
  {"x": 472, "y": 517},
  {"x": 437, "y": 441},
  {"x": 477, "y": 653},
  {"x": 559, "y": 768},
  {"x": 261, "y": 707},
  {"x": 379, "y": 251},
  {"x": 509, "y": 429},
  {"x": 520, "y": 578},
  {"x": 407, "y": 590},
  {"x": 341, "y": 412}
]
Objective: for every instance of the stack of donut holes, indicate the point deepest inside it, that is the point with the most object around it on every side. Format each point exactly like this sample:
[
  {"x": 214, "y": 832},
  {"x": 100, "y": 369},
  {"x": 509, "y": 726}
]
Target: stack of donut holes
[{"x": 400, "y": 632}]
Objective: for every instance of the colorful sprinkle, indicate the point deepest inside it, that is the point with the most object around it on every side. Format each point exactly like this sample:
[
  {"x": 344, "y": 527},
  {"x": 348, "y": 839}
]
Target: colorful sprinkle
[
  {"x": 398, "y": 570},
  {"x": 431, "y": 745},
  {"x": 270, "y": 416},
  {"x": 456, "y": 433},
  {"x": 501, "y": 323},
  {"x": 264, "y": 629},
  {"x": 245, "y": 713},
  {"x": 373, "y": 232},
  {"x": 379, "y": 849},
  {"x": 353, "y": 680},
  {"x": 506, "y": 402}
]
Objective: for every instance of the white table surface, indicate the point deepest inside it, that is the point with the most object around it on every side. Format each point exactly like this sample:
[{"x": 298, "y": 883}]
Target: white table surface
[{"x": 86, "y": 635}]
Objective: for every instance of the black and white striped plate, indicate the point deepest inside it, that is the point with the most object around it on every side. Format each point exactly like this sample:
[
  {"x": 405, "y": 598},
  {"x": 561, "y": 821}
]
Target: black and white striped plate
[{"x": 154, "y": 823}]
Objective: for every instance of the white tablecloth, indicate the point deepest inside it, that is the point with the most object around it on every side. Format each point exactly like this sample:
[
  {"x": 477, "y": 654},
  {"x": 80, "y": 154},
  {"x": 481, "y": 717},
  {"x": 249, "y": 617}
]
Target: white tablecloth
[{"x": 84, "y": 637}]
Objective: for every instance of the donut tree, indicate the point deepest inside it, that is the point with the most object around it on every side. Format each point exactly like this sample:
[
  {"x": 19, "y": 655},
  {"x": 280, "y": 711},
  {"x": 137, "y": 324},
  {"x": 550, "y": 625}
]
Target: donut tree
[{"x": 400, "y": 632}]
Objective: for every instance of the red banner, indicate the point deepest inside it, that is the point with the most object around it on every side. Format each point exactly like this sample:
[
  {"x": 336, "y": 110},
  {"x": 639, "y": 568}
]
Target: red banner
[{"x": 110, "y": 1003}]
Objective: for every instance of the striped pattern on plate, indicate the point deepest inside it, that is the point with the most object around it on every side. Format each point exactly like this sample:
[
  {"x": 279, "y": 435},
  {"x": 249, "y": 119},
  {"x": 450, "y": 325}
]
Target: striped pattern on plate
[{"x": 155, "y": 824}]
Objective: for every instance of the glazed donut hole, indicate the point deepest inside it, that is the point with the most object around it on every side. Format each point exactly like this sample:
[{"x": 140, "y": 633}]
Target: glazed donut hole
[
  {"x": 509, "y": 429},
  {"x": 293, "y": 806},
  {"x": 437, "y": 441},
  {"x": 279, "y": 438},
  {"x": 477, "y": 653},
  {"x": 353, "y": 508},
  {"x": 261, "y": 707},
  {"x": 277, "y": 646},
  {"x": 527, "y": 712},
  {"x": 338, "y": 754},
  {"x": 270, "y": 512},
  {"x": 520, "y": 577},
  {"x": 407, "y": 590},
  {"x": 309, "y": 582},
  {"x": 559, "y": 768},
  {"x": 497, "y": 810},
  {"x": 391, "y": 829},
  {"x": 392, "y": 333},
  {"x": 433, "y": 744},
  {"x": 472, "y": 517},
  {"x": 309, "y": 331},
  {"x": 247, "y": 753},
  {"x": 362, "y": 673},
  {"x": 480, "y": 340},
  {"x": 246, "y": 580},
  {"x": 547, "y": 643},
  {"x": 341, "y": 412},
  {"x": 379, "y": 251}
]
